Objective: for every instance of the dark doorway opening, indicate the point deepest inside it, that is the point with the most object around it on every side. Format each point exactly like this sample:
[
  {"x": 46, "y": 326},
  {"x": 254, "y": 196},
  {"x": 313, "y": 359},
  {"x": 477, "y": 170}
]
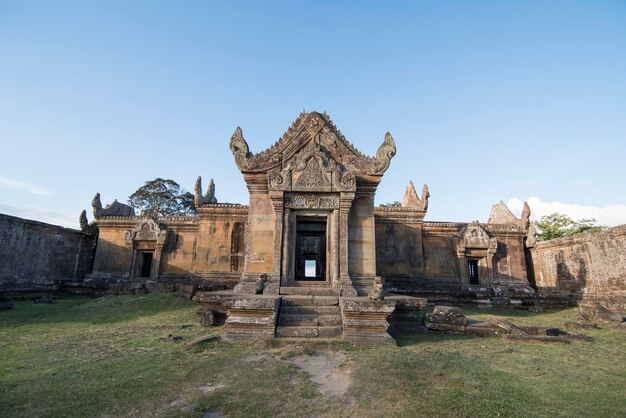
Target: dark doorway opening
[
  {"x": 472, "y": 267},
  {"x": 146, "y": 264},
  {"x": 311, "y": 249}
]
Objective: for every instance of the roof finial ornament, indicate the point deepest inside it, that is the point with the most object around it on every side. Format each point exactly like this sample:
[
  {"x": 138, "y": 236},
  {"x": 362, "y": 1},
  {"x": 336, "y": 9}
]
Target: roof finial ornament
[
  {"x": 208, "y": 197},
  {"x": 239, "y": 147}
]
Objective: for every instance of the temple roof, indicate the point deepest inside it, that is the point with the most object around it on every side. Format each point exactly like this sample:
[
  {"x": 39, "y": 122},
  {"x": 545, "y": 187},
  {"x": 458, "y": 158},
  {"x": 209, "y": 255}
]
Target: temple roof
[{"x": 311, "y": 127}]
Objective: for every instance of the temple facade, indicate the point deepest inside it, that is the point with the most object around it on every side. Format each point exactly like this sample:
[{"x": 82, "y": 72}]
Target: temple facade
[
  {"x": 311, "y": 222},
  {"x": 311, "y": 255}
]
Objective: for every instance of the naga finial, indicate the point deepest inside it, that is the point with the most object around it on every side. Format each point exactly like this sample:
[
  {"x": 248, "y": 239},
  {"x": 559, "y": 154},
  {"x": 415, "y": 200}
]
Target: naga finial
[
  {"x": 96, "y": 204},
  {"x": 239, "y": 147},
  {"x": 85, "y": 227},
  {"x": 385, "y": 153}
]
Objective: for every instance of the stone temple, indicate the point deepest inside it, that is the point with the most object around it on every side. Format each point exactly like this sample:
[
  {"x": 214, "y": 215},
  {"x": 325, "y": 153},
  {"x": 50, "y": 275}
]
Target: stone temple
[
  {"x": 311, "y": 231},
  {"x": 311, "y": 256}
]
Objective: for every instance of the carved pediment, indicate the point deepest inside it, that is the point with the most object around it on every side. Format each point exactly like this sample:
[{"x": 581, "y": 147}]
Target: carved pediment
[
  {"x": 313, "y": 169},
  {"x": 147, "y": 230},
  {"x": 311, "y": 128},
  {"x": 473, "y": 236}
]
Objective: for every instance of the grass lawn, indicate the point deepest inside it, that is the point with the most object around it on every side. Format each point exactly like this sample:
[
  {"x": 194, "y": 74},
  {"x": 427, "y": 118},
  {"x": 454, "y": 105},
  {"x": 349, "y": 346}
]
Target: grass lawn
[{"x": 104, "y": 357}]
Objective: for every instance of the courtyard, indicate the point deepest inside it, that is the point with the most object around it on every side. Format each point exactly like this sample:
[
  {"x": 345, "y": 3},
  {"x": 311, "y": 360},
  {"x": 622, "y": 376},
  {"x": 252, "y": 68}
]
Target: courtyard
[{"x": 147, "y": 356}]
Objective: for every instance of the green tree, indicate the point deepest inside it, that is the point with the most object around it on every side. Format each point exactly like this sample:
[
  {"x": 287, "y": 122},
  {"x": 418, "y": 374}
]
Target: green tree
[
  {"x": 558, "y": 225},
  {"x": 395, "y": 204},
  {"x": 161, "y": 197}
]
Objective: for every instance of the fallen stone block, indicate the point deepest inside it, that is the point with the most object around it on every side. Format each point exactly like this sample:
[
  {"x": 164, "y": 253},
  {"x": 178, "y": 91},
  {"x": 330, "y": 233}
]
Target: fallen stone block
[{"x": 434, "y": 326}]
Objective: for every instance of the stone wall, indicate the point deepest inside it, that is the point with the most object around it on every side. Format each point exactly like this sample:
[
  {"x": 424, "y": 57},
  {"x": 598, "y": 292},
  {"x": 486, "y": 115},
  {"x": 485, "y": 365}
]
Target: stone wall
[
  {"x": 207, "y": 249},
  {"x": 33, "y": 255},
  {"x": 589, "y": 266}
]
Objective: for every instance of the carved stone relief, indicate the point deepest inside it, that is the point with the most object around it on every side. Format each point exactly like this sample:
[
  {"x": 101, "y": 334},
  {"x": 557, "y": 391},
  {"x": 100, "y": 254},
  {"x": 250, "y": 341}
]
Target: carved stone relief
[
  {"x": 311, "y": 201},
  {"x": 473, "y": 236},
  {"x": 147, "y": 230}
]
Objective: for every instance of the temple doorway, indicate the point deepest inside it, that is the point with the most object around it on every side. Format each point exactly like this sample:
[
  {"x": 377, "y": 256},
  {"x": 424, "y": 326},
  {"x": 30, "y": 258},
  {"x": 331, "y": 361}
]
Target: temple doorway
[
  {"x": 145, "y": 269},
  {"x": 310, "y": 254}
]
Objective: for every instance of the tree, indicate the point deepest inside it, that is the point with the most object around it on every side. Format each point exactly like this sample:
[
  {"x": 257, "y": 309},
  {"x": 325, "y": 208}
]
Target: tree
[
  {"x": 395, "y": 204},
  {"x": 558, "y": 225},
  {"x": 161, "y": 197}
]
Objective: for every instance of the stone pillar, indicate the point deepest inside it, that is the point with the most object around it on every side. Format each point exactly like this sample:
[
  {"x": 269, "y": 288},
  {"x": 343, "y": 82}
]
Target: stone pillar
[
  {"x": 285, "y": 276},
  {"x": 334, "y": 247},
  {"x": 463, "y": 272},
  {"x": 272, "y": 287},
  {"x": 260, "y": 235},
  {"x": 347, "y": 289}
]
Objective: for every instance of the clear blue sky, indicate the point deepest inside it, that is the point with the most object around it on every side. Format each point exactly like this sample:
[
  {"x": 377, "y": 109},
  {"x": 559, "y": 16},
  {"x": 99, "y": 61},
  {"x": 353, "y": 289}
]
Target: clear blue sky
[{"x": 487, "y": 101}]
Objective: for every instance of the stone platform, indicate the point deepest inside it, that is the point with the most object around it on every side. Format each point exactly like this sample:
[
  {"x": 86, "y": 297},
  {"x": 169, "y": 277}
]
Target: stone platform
[{"x": 313, "y": 314}]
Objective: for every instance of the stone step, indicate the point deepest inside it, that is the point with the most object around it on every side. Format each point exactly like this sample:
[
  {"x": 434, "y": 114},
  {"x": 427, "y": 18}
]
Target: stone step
[
  {"x": 297, "y": 300},
  {"x": 303, "y": 290},
  {"x": 309, "y": 300},
  {"x": 298, "y": 332},
  {"x": 329, "y": 332},
  {"x": 297, "y": 320},
  {"x": 302, "y": 309},
  {"x": 329, "y": 320},
  {"x": 325, "y": 300},
  {"x": 328, "y": 310}
]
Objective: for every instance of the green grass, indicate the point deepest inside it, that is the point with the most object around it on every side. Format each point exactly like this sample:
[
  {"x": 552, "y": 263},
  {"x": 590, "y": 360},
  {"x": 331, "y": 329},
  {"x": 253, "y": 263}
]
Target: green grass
[{"x": 103, "y": 357}]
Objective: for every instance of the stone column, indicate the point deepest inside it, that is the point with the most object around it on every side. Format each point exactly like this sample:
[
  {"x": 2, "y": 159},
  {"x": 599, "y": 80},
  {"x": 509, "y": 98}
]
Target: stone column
[
  {"x": 334, "y": 246},
  {"x": 273, "y": 285},
  {"x": 463, "y": 272},
  {"x": 285, "y": 279},
  {"x": 347, "y": 288}
]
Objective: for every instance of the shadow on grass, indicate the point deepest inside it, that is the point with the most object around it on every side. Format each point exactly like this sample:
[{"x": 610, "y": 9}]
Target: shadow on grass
[{"x": 86, "y": 309}]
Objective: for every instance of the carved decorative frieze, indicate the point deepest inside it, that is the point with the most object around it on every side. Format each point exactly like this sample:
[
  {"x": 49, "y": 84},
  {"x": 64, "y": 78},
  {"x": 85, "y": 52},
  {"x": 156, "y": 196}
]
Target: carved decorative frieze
[
  {"x": 311, "y": 201},
  {"x": 312, "y": 178}
]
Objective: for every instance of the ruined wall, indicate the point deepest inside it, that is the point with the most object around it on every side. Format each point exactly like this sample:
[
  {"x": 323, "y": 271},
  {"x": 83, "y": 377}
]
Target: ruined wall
[
  {"x": 361, "y": 236},
  {"x": 399, "y": 249},
  {"x": 440, "y": 260},
  {"x": 35, "y": 254},
  {"x": 204, "y": 248},
  {"x": 591, "y": 266},
  {"x": 509, "y": 260},
  {"x": 413, "y": 255},
  {"x": 113, "y": 256}
]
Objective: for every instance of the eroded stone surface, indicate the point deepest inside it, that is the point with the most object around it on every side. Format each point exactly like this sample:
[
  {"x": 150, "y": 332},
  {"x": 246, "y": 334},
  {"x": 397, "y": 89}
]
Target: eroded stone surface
[{"x": 327, "y": 370}]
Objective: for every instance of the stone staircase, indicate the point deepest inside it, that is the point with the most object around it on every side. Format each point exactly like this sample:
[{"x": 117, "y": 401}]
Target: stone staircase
[{"x": 309, "y": 313}]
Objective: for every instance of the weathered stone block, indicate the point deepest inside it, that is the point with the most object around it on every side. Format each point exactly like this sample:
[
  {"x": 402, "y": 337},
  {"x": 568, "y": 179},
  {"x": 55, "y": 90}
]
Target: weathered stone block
[
  {"x": 297, "y": 332},
  {"x": 444, "y": 327}
]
